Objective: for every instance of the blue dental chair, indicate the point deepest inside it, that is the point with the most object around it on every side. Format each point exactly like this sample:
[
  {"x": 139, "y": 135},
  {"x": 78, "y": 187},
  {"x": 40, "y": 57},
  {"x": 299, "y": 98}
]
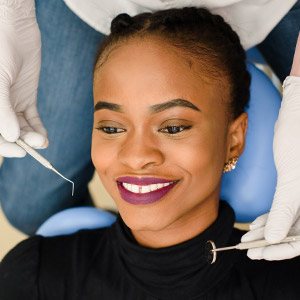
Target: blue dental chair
[{"x": 249, "y": 189}]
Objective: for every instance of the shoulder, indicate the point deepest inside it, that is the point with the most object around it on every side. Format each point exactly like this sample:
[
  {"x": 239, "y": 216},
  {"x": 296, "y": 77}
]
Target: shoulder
[
  {"x": 18, "y": 270},
  {"x": 66, "y": 261},
  {"x": 61, "y": 252},
  {"x": 82, "y": 244},
  {"x": 49, "y": 263}
]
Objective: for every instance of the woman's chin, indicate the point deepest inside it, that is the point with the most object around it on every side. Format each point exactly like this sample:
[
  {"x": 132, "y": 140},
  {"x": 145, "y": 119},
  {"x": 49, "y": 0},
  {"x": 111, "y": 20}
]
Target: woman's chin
[{"x": 139, "y": 221}]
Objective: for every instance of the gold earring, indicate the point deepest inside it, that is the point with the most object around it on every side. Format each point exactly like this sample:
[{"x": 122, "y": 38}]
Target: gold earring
[{"x": 231, "y": 164}]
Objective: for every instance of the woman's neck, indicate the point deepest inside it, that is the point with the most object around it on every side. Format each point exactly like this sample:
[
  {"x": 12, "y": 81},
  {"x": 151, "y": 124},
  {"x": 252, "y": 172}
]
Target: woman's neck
[{"x": 185, "y": 228}]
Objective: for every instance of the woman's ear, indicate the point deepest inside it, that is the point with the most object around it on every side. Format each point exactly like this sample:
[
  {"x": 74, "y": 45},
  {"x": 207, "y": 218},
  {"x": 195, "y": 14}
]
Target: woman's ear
[{"x": 236, "y": 136}]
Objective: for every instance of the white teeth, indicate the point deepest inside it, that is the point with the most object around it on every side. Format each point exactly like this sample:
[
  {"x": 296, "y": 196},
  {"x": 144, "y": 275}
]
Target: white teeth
[
  {"x": 160, "y": 185},
  {"x": 134, "y": 188},
  {"x": 153, "y": 187},
  {"x": 143, "y": 189}
]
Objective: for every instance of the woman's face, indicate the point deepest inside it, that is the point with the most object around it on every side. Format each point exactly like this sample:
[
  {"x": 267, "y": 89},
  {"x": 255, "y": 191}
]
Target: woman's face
[{"x": 161, "y": 135}]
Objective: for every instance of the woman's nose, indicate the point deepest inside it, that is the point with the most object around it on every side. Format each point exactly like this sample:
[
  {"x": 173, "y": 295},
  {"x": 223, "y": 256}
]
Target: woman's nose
[{"x": 139, "y": 153}]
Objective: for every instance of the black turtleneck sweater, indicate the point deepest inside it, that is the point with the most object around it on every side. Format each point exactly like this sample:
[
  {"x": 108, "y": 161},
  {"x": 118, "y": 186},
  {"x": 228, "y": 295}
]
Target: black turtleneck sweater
[{"x": 108, "y": 264}]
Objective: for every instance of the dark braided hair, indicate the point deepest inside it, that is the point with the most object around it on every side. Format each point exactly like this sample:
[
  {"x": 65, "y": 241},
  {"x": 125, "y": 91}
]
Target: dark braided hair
[{"x": 196, "y": 32}]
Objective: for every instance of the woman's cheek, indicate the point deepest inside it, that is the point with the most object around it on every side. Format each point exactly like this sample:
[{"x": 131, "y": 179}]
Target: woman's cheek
[
  {"x": 202, "y": 158},
  {"x": 99, "y": 152}
]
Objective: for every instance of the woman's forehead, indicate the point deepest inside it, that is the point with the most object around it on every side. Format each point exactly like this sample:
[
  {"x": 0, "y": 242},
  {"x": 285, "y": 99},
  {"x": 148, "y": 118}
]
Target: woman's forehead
[
  {"x": 150, "y": 68},
  {"x": 146, "y": 54}
]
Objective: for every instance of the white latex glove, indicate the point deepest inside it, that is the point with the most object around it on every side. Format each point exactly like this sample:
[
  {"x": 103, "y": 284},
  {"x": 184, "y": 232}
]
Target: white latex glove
[
  {"x": 20, "y": 59},
  {"x": 272, "y": 252},
  {"x": 284, "y": 216}
]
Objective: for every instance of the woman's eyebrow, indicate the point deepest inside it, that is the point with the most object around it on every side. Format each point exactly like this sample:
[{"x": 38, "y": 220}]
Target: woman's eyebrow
[
  {"x": 153, "y": 108},
  {"x": 107, "y": 105},
  {"x": 172, "y": 103}
]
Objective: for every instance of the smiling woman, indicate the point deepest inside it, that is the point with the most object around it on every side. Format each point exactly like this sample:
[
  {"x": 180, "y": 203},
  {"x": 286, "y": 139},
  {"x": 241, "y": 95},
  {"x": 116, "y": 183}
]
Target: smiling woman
[
  {"x": 170, "y": 89},
  {"x": 165, "y": 117},
  {"x": 167, "y": 126}
]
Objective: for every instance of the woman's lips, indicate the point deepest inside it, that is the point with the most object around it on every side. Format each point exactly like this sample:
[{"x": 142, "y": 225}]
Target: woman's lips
[{"x": 141, "y": 186}]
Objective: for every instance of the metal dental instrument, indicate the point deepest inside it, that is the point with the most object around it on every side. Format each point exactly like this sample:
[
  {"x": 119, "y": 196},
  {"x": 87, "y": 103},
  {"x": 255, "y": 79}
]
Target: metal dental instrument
[
  {"x": 42, "y": 160},
  {"x": 248, "y": 245}
]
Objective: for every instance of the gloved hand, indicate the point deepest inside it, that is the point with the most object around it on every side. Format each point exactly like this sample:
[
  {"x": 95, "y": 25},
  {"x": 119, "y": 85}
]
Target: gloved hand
[
  {"x": 20, "y": 59},
  {"x": 284, "y": 216},
  {"x": 272, "y": 252}
]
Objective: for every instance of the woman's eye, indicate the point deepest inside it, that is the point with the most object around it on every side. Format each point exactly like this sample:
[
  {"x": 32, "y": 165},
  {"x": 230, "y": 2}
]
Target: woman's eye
[
  {"x": 110, "y": 130},
  {"x": 174, "y": 129}
]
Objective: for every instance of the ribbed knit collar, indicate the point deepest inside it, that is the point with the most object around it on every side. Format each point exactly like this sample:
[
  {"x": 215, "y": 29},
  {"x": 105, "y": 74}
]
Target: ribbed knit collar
[{"x": 182, "y": 270}]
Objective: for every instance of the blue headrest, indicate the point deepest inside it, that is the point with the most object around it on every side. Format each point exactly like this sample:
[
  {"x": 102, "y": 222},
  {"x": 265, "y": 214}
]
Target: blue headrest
[
  {"x": 250, "y": 188},
  {"x": 254, "y": 55},
  {"x": 73, "y": 219}
]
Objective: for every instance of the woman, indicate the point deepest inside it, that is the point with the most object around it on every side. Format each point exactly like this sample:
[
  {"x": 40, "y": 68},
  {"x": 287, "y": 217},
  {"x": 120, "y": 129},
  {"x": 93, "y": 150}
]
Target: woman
[{"x": 169, "y": 119}]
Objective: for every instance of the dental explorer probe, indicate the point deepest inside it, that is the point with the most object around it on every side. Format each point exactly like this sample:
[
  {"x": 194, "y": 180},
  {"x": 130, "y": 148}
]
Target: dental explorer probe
[
  {"x": 43, "y": 161},
  {"x": 248, "y": 245}
]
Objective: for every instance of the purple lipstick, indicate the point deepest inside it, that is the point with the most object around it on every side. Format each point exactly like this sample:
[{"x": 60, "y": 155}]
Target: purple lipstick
[{"x": 141, "y": 191}]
